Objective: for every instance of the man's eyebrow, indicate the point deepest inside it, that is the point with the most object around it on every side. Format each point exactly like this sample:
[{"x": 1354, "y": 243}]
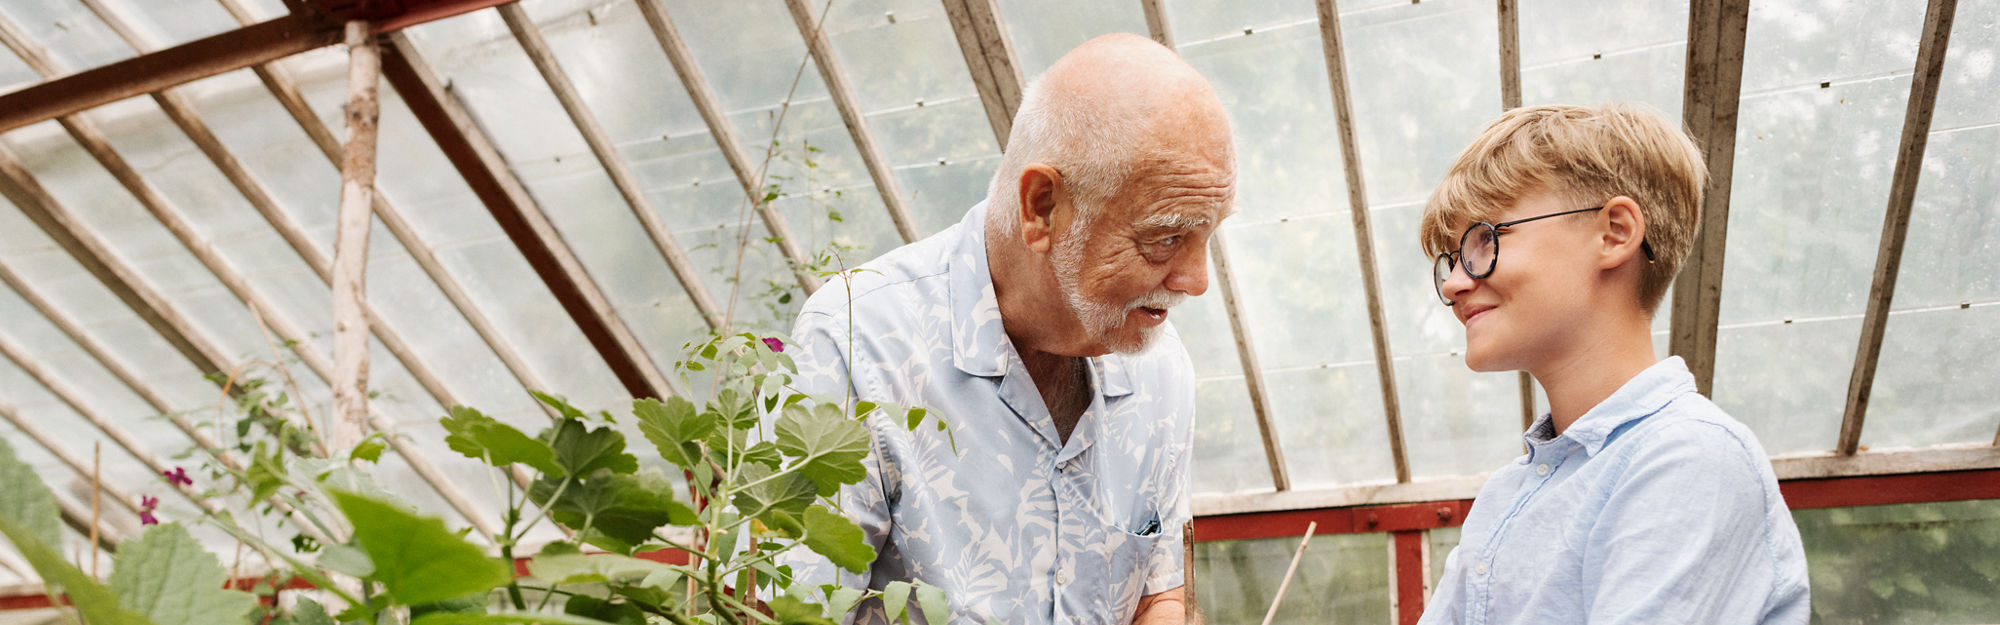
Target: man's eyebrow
[{"x": 1173, "y": 221}]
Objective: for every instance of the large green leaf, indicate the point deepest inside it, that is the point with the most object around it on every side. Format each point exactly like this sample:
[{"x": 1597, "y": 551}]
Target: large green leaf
[
  {"x": 451, "y": 618},
  {"x": 788, "y": 493},
  {"x": 481, "y": 437},
  {"x": 932, "y": 600},
  {"x": 624, "y": 508},
  {"x": 620, "y": 613},
  {"x": 581, "y": 450},
  {"x": 26, "y": 501},
  {"x": 417, "y": 559},
  {"x": 790, "y": 611},
  {"x": 839, "y": 539},
  {"x": 166, "y": 576},
  {"x": 307, "y": 612},
  {"x": 578, "y": 568},
  {"x": 829, "y": 446},
  {"x": 675, "y": 427},
  {"x": 29, "y": 518}
]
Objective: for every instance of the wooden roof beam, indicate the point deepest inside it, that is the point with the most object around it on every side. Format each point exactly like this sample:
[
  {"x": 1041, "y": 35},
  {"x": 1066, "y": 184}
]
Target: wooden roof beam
[
  {"x": 1364, "y": 238},
  {"x": 1896, "y": 219},
  {"x": 1714, "y": 84},
  {"x": 480, "y": 163},
  {"x": 830, "y": 72}
]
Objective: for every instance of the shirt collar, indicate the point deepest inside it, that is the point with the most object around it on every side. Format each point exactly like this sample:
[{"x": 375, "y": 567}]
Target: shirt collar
[
  {"x": 980, "y": 345},
  {"x": 1639, "y": 398}
]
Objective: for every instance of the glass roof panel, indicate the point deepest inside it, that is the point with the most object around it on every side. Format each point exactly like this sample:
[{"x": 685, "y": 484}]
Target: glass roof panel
[
  {"x": 488, "y": 69},
  {"x": 1946, "y": 292},
  {"x": 904, "y": 65},
  {"x": 75, "y": 39},
  {"x": 15, "y": 75},
  {"x": 1044, "y": 30},
  {"x": 168, "y": 24},
  {"x": 1824, "y": 94}
]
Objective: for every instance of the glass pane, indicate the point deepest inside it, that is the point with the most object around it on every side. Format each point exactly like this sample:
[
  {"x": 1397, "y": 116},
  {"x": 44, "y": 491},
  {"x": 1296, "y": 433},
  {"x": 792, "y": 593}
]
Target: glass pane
[
  {"x": 1044, "y": 30},
  {"x": 904, "y": 65},
  {"x": 1930, "y": 563},
  {"x": 1442, "y": 541},
  {"x": 1342, "y": 578},
  {"x": 1946, "y": 291},
  {"x": 74, "y": 37},
  {"x": 1821, "y": 112},
  {"x": 165, "y": 24}
]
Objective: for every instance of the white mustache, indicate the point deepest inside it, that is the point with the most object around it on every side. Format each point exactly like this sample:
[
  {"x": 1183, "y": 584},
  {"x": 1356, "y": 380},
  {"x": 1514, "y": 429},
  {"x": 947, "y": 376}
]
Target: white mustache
[{"x": 1162, "y": 299}]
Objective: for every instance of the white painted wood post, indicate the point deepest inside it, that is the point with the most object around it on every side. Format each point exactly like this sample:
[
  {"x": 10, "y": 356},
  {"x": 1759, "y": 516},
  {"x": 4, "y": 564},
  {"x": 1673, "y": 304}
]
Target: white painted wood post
[{"x": 350, "y": 250}]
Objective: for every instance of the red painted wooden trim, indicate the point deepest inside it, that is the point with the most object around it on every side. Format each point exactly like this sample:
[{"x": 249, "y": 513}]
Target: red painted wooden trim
[
  {"x": 1411, "y": 574},
  {"x": 431, "y": 12},
  {"x": 1885, "y": 490},
  {"x": 1362, "y": 520},
  {"x": 39, "y": 601}
]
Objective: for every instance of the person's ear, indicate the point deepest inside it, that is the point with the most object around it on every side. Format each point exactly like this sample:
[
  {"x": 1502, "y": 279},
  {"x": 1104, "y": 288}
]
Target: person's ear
[
  {"x": 1624, "y": 233},
  {"x": 1042, "y": 195}
]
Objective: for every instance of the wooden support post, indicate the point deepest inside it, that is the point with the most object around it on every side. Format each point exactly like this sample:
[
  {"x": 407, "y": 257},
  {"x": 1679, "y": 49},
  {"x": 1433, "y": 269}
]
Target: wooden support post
[
  {"x": 1896, "y": 220},
  {"x": 1510, "y": 99},
  {"x": 1714, "y": 81},
  {"x": 1364, "y": 237},
  {"x": 1409, "y": 573},
  {"x": 350, "y": 252},
  {"x": 989, "y": 55},
  {"x": 837, "y": 87}
]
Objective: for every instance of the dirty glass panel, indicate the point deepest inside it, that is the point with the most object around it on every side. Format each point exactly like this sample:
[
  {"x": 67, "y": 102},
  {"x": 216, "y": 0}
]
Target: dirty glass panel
[
  {"x": 1915, "y": 563},
  {"x": 1342, "y": 578},
  {"x": 1824, "y": 93}
]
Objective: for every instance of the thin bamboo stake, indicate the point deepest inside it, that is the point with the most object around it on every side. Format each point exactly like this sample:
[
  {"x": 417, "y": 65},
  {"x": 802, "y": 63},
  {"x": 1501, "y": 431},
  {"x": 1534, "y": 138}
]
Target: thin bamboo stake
[
  {"x": 350, "y": 252},
  {"x": 96, "y": 500},
  {"x": 1294, "y": 568}
]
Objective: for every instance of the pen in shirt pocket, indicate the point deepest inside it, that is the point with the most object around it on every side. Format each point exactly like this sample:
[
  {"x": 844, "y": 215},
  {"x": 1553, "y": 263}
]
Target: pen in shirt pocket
[{"x": 1152, "y": 527}]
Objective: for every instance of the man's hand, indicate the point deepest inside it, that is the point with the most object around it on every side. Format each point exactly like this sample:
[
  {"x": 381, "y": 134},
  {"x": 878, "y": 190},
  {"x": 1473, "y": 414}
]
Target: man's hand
[{"x": 1167, "y": 608}]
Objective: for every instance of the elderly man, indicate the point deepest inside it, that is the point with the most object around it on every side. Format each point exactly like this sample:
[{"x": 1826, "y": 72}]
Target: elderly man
[{"x": 1037, "y": 329}]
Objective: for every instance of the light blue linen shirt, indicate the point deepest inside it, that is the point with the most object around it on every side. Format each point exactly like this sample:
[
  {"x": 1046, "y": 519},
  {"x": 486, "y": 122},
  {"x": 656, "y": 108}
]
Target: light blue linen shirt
[
  {"x": 1015, "y": 524},
  {"x": 1653, "y": 507}
]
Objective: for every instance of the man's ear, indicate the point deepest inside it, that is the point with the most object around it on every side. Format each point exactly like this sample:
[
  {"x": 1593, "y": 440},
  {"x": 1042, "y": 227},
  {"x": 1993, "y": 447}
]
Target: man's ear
[
  {"x": 1041, "y": 195},
  {"x": 1624, "y": 232}
]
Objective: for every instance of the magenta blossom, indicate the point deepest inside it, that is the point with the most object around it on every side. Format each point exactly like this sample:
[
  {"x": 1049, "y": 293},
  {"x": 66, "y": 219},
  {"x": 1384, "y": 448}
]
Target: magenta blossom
[
  {"x": 147, "y": 503},
  {"x": 178, "y": 477},
  {"x": 775, "y": 344}
]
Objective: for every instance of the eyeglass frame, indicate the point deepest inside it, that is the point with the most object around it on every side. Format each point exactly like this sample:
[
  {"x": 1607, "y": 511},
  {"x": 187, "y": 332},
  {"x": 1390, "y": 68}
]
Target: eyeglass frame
[{"x": 1457, "y": 257}]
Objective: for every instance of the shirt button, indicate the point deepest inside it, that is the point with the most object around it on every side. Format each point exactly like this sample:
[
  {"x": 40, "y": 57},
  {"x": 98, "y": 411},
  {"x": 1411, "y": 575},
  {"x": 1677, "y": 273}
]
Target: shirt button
[
  {"x": 1062, "y": 578},
  {"x": 1542, "y": 469},
  {"x": 1479, "y": 568}
]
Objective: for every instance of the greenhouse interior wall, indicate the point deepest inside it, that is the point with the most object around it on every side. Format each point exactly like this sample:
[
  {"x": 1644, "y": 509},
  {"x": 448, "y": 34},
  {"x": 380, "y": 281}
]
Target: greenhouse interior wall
[{"x": 565, "y": 194}]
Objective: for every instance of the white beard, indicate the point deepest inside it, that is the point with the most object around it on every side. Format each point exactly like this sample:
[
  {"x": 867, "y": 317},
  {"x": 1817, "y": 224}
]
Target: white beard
[{"x": 1100, "y": 320}]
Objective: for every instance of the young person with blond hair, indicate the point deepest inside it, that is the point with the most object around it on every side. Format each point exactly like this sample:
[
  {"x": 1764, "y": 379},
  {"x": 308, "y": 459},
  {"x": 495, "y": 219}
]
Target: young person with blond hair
[{"x": 1638, "y": 500}]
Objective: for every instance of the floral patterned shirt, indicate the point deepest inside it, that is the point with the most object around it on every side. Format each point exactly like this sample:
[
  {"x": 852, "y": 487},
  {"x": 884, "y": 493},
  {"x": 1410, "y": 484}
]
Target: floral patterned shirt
[{"x": 1015, "y": 524}]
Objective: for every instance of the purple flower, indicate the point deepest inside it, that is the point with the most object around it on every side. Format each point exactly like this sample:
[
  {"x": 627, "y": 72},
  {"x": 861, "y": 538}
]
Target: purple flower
[
  {"x": 178, "y": 477},
  {"x": 775, "y": 344},
  {"x": 146, "y": 505}
]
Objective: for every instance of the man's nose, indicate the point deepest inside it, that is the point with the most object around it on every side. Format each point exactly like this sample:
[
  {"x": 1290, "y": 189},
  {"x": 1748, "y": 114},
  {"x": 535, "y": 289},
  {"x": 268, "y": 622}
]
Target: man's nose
[{"x": 1190, "y": 272}]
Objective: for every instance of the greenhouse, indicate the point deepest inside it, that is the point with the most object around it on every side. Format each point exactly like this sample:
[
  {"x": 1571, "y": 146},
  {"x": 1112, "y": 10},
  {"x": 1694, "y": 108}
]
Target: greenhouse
[{"x": 472, "y": 311}]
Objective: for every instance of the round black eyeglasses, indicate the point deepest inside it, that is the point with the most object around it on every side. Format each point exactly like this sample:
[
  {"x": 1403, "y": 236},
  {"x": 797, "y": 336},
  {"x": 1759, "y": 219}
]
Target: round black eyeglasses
[{"x": 1479, "y": 251}]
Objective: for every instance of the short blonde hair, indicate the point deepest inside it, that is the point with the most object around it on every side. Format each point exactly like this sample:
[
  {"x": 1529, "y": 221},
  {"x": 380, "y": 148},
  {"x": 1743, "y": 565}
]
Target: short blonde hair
[{"x": 1585, "y": 156}]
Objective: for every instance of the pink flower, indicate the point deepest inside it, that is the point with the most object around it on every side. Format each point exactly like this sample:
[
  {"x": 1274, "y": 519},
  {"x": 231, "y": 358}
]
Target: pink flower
[
  {"x": 178, "y": 477},
  {"x": 775, "y": 344},
  {"x": 147, "y": 503}
]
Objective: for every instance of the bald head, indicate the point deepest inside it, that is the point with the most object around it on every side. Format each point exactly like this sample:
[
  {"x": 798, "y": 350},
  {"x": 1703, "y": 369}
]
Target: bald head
[{"x": 1112, "y": 103}]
